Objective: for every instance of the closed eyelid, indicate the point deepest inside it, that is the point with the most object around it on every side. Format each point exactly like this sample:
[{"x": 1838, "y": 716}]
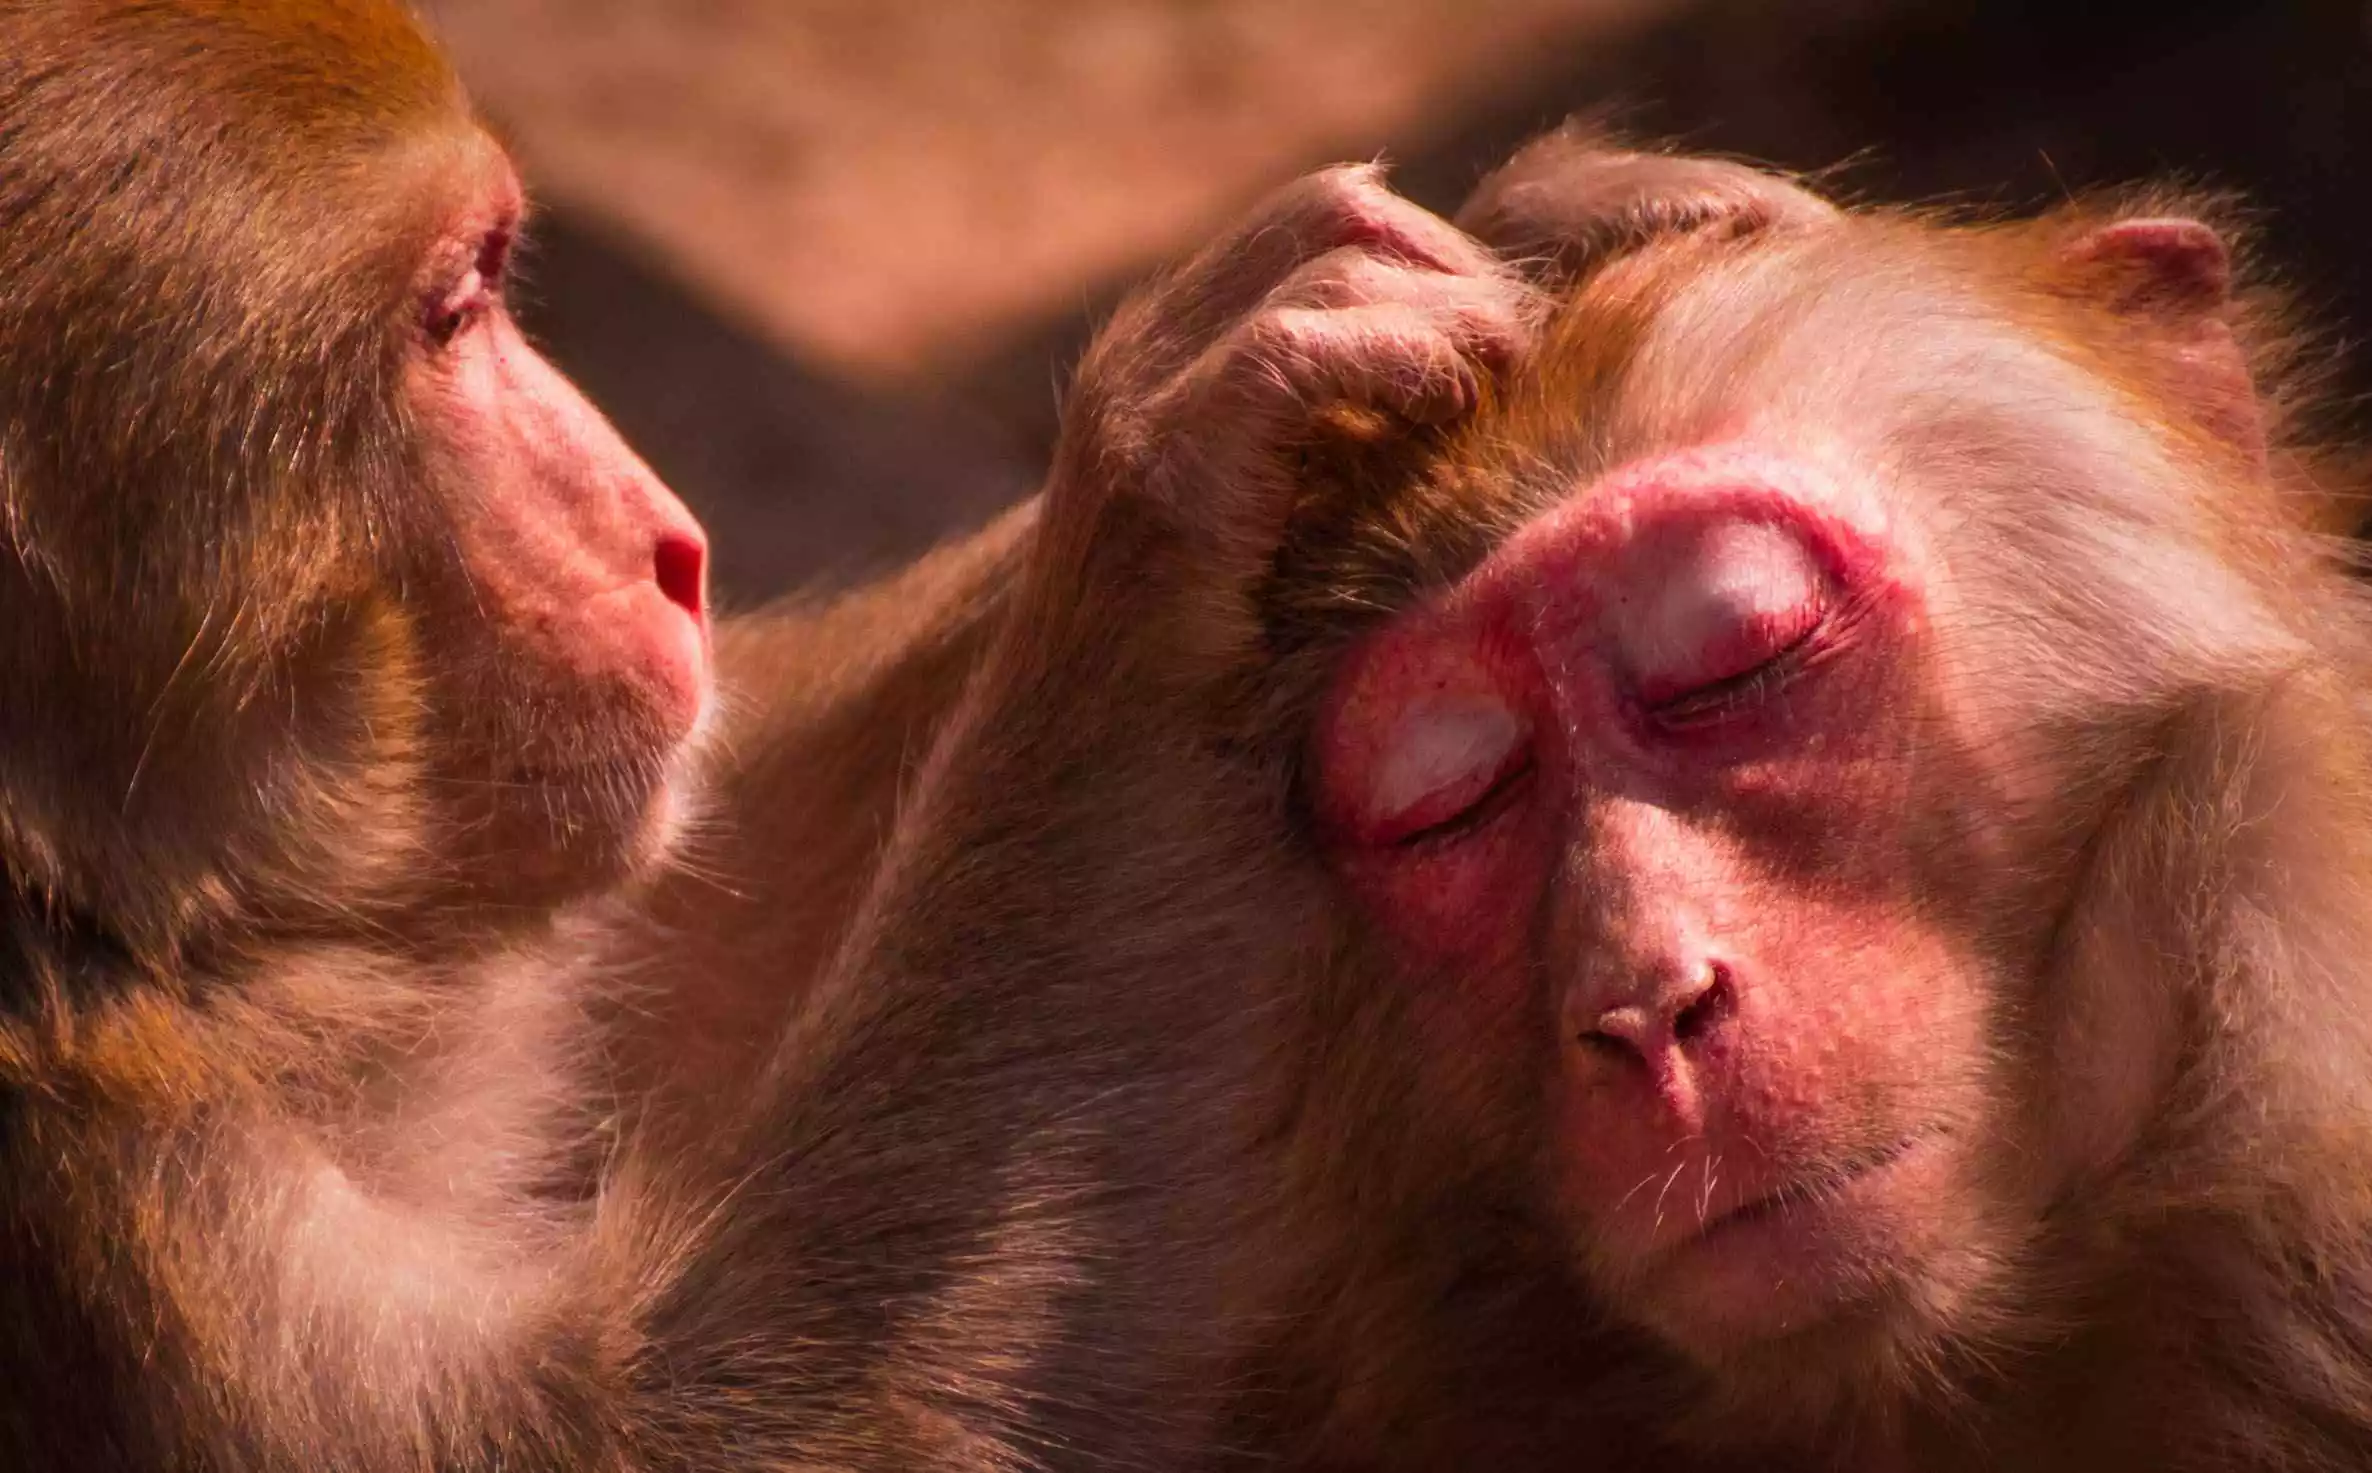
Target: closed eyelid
[{"x": 1723, "y": 604}]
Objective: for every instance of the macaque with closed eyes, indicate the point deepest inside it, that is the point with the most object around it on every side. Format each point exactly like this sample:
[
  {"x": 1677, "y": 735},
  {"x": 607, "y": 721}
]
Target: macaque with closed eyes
[{"x": 1846, "y": 793}]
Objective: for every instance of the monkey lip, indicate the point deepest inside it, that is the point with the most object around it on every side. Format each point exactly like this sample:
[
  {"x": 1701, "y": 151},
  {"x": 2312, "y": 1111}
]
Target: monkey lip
[
  {"x": 1806, "y": 1196},
  {"x": 1839, "y": 1239},
  {"x": 1813, "y": 1228}
]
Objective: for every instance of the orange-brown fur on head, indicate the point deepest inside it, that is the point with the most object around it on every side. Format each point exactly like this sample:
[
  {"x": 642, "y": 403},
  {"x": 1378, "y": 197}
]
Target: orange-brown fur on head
[{"x": 2097, "y": 448}]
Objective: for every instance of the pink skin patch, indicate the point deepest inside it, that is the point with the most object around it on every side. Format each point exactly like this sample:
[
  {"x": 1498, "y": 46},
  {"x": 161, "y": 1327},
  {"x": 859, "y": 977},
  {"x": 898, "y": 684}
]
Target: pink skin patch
[
  {"x": 1713, "y": 604},
  {"x": 573, "y": 543},
  {"x": 1606, "y": 757},
  {"x": 1653, "y": 588}
]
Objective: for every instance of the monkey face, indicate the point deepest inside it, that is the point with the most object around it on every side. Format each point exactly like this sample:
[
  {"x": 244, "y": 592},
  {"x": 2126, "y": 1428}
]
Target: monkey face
[
  {"x": 411, "y": 627},
  {"x": 567, "y": 592},
  {"x": 1745, "y": 799},
  {"x": 1647, "y": 775}
]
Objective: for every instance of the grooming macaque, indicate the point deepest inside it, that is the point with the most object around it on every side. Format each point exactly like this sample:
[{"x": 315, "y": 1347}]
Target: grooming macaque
[
  {"x": 353, "y": 684},
  {"x": 1848, "y": 797}
]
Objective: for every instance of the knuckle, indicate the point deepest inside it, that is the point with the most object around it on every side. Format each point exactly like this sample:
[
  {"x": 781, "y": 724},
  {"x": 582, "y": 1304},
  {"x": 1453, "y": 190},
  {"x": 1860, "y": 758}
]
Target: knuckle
[
  {"x": 1342, "y": 205},
  {"x": 1344, "y": 192},
  {"x": 1491, "y": 318},
  {"x": 1297, "y": 334},
  {"x": 1347, "y": 276}
]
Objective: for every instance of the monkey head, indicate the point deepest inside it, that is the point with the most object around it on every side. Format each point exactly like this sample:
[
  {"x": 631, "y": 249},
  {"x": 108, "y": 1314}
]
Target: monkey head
[
  {"x": 323, "y": 589},
  {"x": 1729, "y": 751}
]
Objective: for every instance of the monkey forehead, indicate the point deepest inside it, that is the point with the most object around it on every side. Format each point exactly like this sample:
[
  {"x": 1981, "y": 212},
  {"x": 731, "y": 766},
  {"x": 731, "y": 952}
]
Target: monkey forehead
[
  {"x": 461, "y": 189},
  {"x": 1802, "y": 484},
  {"x": 480, "y": 183},
  {"x": 1863, "y": 337},
  {"x": 1999, "y": 441},
  {"x": 1901, "y": 354},
  {"x": 1539, "y": 598},
  {"x": 1561, "y": 567},
  {"x": 1824, "y": 326}
]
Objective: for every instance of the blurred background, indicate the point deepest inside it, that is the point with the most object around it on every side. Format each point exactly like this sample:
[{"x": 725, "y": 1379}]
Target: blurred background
[{"x": 826, "y": 261}]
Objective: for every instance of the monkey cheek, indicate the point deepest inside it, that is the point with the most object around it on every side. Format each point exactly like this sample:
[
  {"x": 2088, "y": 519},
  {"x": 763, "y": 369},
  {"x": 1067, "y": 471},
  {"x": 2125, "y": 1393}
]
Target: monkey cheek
[{"x": 588, "y": 714}]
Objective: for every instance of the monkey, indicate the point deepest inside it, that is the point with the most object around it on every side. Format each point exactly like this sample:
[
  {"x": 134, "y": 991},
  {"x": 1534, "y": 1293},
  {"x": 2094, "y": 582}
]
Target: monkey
[
  {"x": 1843, "y": 797},
  {"x": 359, "y": 690}
]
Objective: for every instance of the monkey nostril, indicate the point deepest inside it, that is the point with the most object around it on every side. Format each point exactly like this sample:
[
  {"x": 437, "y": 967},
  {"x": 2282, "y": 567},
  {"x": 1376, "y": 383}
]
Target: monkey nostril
[
  {"x": 1708, "y": 1008},
  {"x": 679, "y": 566},
  {"x": 1636, "y": 1031},
  {"x": 1603, "y": 1041}
]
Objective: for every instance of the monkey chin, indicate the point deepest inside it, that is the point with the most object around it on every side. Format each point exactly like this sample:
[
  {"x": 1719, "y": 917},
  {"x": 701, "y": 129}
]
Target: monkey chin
[
  {"x": 1815, "y": 1307},
  {"x": 604, "y": 814},
  {"x": 676, "y": 805},
  {"x": 650, "y": 833}
]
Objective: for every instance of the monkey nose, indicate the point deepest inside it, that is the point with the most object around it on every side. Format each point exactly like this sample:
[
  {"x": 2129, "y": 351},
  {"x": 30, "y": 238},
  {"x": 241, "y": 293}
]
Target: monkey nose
[
  {"x": 1680, "y": 1019},
  {"x": 679, "y": 565}
]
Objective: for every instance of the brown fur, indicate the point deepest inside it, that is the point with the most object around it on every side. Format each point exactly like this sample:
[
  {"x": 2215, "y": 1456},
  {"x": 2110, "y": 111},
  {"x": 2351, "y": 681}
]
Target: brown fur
[
  {"x": 2183, "y": 1059},
  {"x": 829, "y": 706},
  {"x": 318, "y": 892}
]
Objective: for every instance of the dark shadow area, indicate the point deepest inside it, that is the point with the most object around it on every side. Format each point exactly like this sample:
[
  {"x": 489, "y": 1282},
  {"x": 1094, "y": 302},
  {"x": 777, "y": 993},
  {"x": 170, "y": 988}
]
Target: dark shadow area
[{"x": 800, "y": 479}]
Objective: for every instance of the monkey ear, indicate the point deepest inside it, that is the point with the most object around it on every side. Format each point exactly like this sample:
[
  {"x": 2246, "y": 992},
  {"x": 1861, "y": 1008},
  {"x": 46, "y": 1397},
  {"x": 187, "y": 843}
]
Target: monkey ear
[
  {"x": 2174, "y": 274},
  {"x": 1572, "y": 199},
  {"x": 2168, "y": 265}
]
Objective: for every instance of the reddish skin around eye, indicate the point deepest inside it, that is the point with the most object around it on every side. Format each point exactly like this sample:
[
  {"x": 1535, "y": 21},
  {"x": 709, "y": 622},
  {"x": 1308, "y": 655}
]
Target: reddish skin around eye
[
  {"x": 1443, "y": 894},
  {"x": 1721, "y": 602},
  {"x": 457, "y": 305},
  {"x": 1530, "y": 627}
]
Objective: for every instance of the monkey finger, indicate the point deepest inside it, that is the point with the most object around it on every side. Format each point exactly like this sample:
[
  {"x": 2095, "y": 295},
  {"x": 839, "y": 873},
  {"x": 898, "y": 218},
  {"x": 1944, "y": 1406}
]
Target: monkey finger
[
  {"x": 1492, "y": 313},
  {"x": 1216, "y": 445},
  {"x": 1268, "y": 390},
  {"x": 1348, "y": 208},
  {"x": 1226, "y": 482},
  {"x": 1416, "y": 364},
  {"x": 1573, "y": 197},
  {"x": 1413, "y": 344}
]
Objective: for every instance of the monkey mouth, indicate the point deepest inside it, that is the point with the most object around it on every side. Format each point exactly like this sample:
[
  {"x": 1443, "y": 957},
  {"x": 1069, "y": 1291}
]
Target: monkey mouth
[
  {"x": 1808, "y": 1193},
  {"x": 1817, "y": 1223},
  {"x": 1836, "y": 1240}
]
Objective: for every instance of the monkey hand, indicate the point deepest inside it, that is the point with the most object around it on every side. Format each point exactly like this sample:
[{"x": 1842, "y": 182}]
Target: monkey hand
[
  {"x": 1337, "y": 309},
  {"x": 1093, "y": 742},
  {"x": 1093, "y": 757}
]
